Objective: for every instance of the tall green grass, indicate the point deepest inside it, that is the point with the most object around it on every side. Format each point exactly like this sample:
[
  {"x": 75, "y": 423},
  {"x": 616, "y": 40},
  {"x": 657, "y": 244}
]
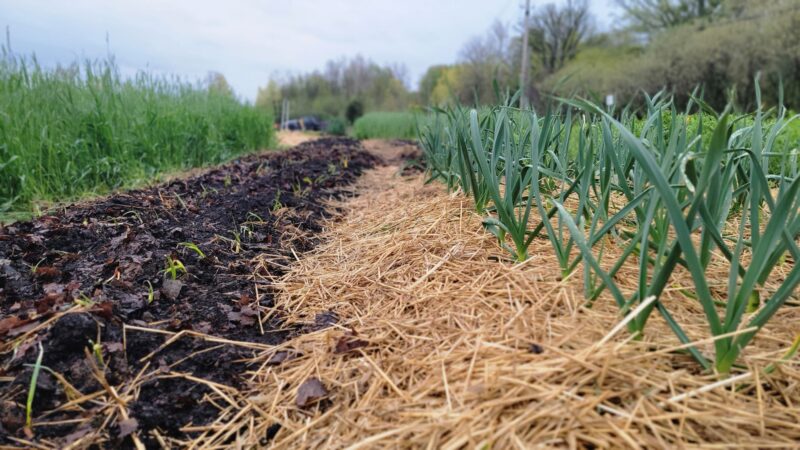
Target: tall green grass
[
  {"x": 84, "y": 129},
  {"x": 386, "y": 125}
]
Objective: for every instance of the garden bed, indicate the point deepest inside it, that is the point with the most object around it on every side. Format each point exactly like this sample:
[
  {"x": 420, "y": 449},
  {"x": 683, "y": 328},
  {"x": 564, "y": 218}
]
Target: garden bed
[{"x": 143, "y": 302}]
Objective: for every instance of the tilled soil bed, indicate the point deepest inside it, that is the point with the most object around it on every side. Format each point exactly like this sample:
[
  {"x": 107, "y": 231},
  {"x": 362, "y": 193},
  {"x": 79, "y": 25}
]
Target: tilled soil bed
[{"x": 134, "y": 301}]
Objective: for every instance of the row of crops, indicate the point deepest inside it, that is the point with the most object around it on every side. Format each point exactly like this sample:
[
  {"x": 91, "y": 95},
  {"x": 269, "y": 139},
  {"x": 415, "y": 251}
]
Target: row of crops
[{"x": 657, "y": 192}]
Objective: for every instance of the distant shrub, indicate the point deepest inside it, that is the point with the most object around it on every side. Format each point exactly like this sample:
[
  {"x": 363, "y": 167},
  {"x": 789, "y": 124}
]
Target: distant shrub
[
  {"x": 336, "y": 126},
  {"x": 721, "y": 57},
  {"x": 355, "y": 109}
]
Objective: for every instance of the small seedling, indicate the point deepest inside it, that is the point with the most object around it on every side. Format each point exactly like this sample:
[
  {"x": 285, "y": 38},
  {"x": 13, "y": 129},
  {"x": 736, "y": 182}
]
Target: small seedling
[
  {"x": 246, "y": 231},
  {"x": 150, "y": 293},
  {"x": 227, "y": 181},
  {"x": 276, "y": 204},
  {"x": 84, "y": 301},
  {"x": 207, "y": 191},
  {"x": 297, "y": 190},
  {"x": 253, "y": 217},
  {"x": 331, "y": 168},
  {"x": 135, "y": 215},
  {"x": 192, "y": 246},
  {"x": 97, "y": 351},
  {"x": 174, "y": 267},
  {"x": 345, "y": 162},
  {"x": 236, "y": 243},
  {"x": 35, "y": 267},
  {"x": 32, "y": 389},
  {"x": 180, "y": 200}
]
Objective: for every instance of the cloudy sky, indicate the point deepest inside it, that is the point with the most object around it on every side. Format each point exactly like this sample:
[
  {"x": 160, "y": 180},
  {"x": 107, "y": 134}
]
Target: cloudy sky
[{"x": 251, "y": 41}]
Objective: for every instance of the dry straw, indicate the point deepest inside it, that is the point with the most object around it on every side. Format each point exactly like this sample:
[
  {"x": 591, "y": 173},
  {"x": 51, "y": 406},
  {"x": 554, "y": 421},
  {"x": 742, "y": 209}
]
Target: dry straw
[{"x": 442, "y": 342}]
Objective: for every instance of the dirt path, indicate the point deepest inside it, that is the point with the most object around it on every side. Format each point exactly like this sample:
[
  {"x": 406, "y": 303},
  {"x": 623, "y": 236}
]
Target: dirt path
[
  {"x": 143, "y": 303},
  {"x": 288, "y": 139}
]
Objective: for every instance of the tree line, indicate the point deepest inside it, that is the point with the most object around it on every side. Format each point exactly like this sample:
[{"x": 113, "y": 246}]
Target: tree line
[{"x": 717, "y": 46}]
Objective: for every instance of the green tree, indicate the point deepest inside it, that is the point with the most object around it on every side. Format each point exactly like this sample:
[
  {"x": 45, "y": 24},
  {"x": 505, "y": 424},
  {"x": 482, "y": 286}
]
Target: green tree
[
  {"x": 355, "y": 109},
  {"x": 216, "y": 82},
  {"x": 655, "y": 15}
]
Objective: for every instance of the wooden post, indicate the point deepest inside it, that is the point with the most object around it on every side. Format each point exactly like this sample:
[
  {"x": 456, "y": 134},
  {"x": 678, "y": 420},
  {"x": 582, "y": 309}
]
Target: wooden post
[{"x": 523, "y": 75}]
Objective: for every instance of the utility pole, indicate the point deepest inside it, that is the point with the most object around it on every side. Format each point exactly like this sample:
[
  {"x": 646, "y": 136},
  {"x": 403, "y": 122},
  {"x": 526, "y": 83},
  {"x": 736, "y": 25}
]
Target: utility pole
[{"x": 523, "y": 75}]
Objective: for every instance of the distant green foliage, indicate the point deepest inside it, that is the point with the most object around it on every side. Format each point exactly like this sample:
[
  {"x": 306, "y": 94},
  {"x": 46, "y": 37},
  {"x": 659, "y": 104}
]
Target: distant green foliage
[
  {"x": 343, "y": 83},
  {"x": 722, "y": 57},
  {"x": 386, "y": 125},
  {"x": 336, "y": 127},
  {"x": 84, "y": 129}
]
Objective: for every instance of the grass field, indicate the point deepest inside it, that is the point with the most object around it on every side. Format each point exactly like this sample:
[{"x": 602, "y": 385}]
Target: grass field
[
  {"x": 386, "y": 125},
  {"x": 84, "y": 129}
]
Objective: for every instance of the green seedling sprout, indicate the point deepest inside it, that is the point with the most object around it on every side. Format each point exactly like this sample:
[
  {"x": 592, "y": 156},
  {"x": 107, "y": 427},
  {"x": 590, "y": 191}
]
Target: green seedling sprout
[
  {"x": 97, "y": 351},
  {"x": 174, "y": 267},
  {"x": 32, "y": 388},
  {"x": 255, "y": 218},
  {"x": 84, "y": 301},
  {"x": 193, "y": 247},
  {"x": 135, "y": 215},
  {"x": 35, "y": 267},
  {"x": 150, "y": 293},
  {"x": 180, "y": 200},
  {"x": 276, "y": 204}
]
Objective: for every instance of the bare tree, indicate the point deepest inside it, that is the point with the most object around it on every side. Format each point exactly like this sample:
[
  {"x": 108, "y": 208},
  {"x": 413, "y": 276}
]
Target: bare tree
[
  {"x": 484, "y": 59},
  {"x": 556, "y": 32}
]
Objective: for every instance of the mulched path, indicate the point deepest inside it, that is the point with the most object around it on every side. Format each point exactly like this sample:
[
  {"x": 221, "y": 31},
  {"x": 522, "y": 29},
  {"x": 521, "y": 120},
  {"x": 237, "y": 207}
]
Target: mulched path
[{"x": 70, "y": 281}]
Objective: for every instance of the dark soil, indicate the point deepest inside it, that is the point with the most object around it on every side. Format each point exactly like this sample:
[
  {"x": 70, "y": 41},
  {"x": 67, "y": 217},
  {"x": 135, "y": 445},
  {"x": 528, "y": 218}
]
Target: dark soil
[{"x": 111, "y": 259}]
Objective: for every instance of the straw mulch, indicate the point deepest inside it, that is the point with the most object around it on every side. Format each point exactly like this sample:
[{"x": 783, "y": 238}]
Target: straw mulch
[{"x": 441, "y": 342}]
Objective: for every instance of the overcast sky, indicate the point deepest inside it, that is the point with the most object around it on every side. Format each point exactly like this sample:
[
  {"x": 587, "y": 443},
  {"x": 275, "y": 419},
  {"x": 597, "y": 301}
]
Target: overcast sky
[{"x": 251, "y": 41}]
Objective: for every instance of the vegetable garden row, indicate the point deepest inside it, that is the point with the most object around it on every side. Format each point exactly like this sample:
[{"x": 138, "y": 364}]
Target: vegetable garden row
[{"x": 619, "y": 189}]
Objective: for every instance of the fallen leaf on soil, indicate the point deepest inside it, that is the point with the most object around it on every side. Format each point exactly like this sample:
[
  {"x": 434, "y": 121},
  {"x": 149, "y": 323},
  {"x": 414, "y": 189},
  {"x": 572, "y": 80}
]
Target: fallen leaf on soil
[
  {"x": 47, "y": 273},
  {"x": 126, "y": 427},
  {"x": 241, "y": 318},
  {"x": 309, "y": 392},
  {"x": 103, "y": 309},
  {"x": 76, "y": 435},
  {"x": 47, "y": 302},
  {"x": 245, "y": 300},
  {"x": 202, "y": 327},
  {"x": 23, "y": 329},
  {"x": 248, "y": 311},
  {"x": 171, "y": 288},
  {"x": 113, "y": 347},
  {"x": 281, "y": 356},
  {"x": 348, "y": 343},
  {"x": 8, "y": 323},
  {"x": 53, "y": 288}
]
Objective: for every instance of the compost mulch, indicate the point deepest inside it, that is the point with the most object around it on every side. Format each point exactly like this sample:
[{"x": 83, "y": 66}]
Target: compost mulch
[{"x": 128, "y": 348}]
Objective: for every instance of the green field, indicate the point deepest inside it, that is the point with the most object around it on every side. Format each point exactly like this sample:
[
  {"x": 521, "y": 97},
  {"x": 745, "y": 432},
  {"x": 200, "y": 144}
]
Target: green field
[
  {"x": 386, "y": 125},
  {"x": 84, "y": 129}
]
